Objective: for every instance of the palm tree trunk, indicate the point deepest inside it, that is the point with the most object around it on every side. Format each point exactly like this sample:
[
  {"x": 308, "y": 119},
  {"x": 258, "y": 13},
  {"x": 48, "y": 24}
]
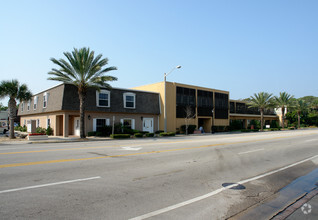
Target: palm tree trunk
[
  {"x": 12, "y": 114},
  {"x": 283, "y": 117},
  {"x": 82, "y": 97},
  {"x": 298, "y": 113},
  {"x": 262, "y": 119}
]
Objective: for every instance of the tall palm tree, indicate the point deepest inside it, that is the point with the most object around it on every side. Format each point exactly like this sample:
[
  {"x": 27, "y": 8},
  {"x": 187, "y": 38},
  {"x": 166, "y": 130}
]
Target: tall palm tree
[
  {"x": 299, "y": 106},
  {"x": 262, "y": 101},
  {"x": 283, "y": 101},
  {"x": 15, "y": 92},
  {"x": 83, "y": 70}
]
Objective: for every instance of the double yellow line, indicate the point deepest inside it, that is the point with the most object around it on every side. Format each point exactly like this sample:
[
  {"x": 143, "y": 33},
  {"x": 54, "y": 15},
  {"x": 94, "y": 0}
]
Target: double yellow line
[{"x": 131, "y": 154}]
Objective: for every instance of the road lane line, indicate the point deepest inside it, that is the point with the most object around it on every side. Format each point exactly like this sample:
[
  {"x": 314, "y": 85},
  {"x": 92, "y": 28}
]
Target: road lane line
[
  {"x": 311, "y": 140},
  {"x": 49, "y": 184},
  {"x": 251, "y": 151},
  {"x": 132, "y": 145},
  {"x": 134, "y": 154},
  {"x": 196, "y": 199}
]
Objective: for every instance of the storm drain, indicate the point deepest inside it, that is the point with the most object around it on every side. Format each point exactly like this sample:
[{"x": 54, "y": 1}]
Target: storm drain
[{"x": 235, "y": 186}]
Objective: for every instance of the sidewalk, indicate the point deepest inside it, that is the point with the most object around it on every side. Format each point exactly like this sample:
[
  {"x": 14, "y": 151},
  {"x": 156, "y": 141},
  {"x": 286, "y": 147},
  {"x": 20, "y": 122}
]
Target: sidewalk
[
  {"x": 53, "y": 139},
  {"x": 305, "y": 208}
]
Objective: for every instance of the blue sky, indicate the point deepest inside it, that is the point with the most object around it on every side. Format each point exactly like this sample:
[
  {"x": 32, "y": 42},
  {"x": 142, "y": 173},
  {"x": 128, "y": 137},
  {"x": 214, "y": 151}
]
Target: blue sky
[{"x": 240, "y": 46}]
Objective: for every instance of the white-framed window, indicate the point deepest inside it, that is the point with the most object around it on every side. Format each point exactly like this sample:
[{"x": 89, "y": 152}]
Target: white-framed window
[
  {"x": 99, "y": 123},
  {"x": 35, "y": 102},
  {"x": 24, "y": 122},
  {"x": 103, "y": 98},
  {"x": 37, "y": 123},
  {"x": 45, "y": 99},
  {"x": 48, "y": 123},
  {"x": 129, "y": 100},
  {"x": 22, "y": 106},
  {"x": 29, "y": 104},
  {"x": 128, "y": 122}
]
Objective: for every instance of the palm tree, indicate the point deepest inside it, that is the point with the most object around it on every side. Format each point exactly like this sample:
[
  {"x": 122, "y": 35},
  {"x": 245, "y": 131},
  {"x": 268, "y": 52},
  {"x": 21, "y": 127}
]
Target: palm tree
[
  {"x": 299, "y": 106},
  {"x": 82, "y": 70},
  {"x": 14, "y": 91},
  {"x": 283, "y": 101},
  {"x": 262, "y": 101}
]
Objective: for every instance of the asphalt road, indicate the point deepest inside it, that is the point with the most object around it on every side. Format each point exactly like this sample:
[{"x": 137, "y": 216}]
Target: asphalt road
[{"x": 157, "y": 178}]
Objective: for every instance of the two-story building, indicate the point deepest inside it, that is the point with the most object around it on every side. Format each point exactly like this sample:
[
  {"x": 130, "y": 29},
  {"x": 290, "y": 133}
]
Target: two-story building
[{"x": 58, "y": 108}]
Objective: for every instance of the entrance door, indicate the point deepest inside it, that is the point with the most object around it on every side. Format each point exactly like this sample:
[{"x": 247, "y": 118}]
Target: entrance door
[
  {"x": 77, "y": 126},
  {"x": 147, "y": 125}
]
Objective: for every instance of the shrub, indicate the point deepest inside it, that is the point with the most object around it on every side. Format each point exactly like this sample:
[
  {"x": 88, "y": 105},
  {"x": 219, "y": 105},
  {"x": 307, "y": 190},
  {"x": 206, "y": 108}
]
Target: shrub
[
  {"x": 166, "y": 134},
  {"x": 49, "y": 131},
  {"x": 159, "y": 131},
  {"x": 150, "y": 134},
  {"x": 274, "y": 124},
  {"x": 91, "y": 133},
  {"x": 106, "y": 130},
  {"x": 23, "y": 129},
  {"x": 291, "y": 128},
  {"x": 220, "y": 128},
  {"x": 17, "y": 128},
  {"x": 249, "y": 130},
  {"x": 119, "y": 136},
  {"x": 191, "y": 129},
  {"x": 99, "y": 134},
  {"x": 138, "y": 135},
  {"x": 40, "y": 130},
  {"x": 236, "y": 125}
]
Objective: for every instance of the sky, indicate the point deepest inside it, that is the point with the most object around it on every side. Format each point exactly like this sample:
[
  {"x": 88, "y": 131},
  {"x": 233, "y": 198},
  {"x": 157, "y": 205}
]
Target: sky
[{"x": 240, "y": 46}]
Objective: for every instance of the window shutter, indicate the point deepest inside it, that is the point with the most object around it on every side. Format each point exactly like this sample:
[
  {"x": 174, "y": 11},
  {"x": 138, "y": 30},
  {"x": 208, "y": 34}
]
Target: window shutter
[
  {"x": 94, "y": 124},
  {"x": 122, "y": 121},
  {"x": 133, "y": 123},
  {"x": 97, "y": 98},
  {"x": 107, "y": 122}
]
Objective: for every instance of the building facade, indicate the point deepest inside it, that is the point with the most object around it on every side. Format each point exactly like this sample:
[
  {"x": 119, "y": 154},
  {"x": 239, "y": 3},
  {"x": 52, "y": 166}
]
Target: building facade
[
  {"x": 58, "y": 108},
  {"x": 208, "y": 107}
]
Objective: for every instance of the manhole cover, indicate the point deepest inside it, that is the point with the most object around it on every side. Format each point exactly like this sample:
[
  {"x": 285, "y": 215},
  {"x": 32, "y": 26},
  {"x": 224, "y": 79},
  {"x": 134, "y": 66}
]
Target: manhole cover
[{"x": 235, "y": 186}]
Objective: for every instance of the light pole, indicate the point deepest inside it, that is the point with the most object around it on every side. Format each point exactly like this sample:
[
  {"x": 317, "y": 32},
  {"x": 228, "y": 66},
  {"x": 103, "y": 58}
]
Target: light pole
[{"x": 165, "y": 99}]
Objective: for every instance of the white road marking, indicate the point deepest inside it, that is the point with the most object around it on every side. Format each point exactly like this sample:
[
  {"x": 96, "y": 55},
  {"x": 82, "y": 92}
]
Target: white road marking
[
  {"x": 169, "y": 208},
  {"x": 251, "y": 151},
  {"x": 131, "y": 148},
  {"x": 49, "y": 184},
  {"x": 311, "y": 140}
]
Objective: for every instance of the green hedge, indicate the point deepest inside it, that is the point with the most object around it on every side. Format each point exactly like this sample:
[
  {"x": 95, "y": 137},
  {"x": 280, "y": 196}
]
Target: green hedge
[
  {"x": 159, "y": 131},
  {"x": 91, "y": 133},
  {"x": 138, "y": 135},
  {"x": 249, "y": 130},
  {"x": 166, "y": 134},
  {"x": 191, "y": 129},
  {"x": 150, "y": 134},
  {"x": 118, "y": 136}
]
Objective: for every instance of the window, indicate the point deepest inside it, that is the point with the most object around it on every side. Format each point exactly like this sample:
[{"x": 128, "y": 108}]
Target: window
[
  {"x": 103, "y": 98},
  {"x": 128, "y": 123},
  {"x": 35, "y": 102},
  {"x": 129, "y": 100},
  {"x": 29, "y": 104},
  {"x": 37, "y": 123},
  {"x": 48, "y": 124},
  {"x": 99, "y": 123},
  {"x": 22, "y": 106},
  {"x": 221, "y": 106},
  {"x": 45, "y": 99}
]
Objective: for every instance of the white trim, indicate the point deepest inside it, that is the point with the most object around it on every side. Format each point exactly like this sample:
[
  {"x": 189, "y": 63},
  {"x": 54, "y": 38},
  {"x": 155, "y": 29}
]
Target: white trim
[
  {"x": 97, "y": 98},
  {"x": 35, "y": 102},
  {"x": 47, "y": 122},
  {"x": 29, "y": 105},
  {"x": 129, "y": 94},
  {"x": 95, "y": 122},
  {"x": 132, "y": 122},
  {"x": 46, "y": 99}
]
